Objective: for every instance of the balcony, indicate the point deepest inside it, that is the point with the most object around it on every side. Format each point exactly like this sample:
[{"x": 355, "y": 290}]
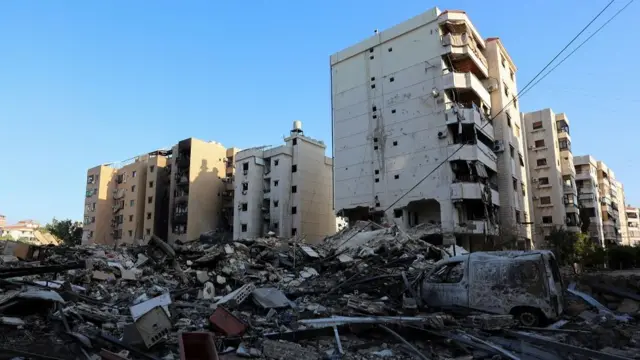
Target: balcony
[
  {"x": 474, "y": 152},
  {"x": 476, "y": 227},
  {"x": 183, "y": 161},
  {"x": 571, "y": 207},
  {"x": 469, "y": 190},
  {"x": 568, "y": 189},
  {"x": 466, "y": 81},
  {"x": 464, "y": 53},
  {"x": 583, "y": 175},
  {"x": 180, "y": 218},
  {"x": 458, "y": 113}
]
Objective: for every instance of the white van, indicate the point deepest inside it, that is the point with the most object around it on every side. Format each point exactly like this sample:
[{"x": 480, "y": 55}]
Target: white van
[{"x": 526, "y": 284}]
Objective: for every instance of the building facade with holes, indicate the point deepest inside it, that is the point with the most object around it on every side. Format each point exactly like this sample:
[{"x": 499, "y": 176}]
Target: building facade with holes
[
  {"x": 554, "y": 193},
  {"x": 285, "y": 190},
  {"x": 414, "y": 141}
]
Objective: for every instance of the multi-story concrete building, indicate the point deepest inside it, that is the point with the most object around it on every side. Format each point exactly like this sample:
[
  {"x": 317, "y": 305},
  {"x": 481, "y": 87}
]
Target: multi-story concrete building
[
  {"x": 198, "y": 172},
  {"x": 285, "y": 190},
  {"x": 402, "y": 112},
  {"x": 602, "y": 199},
  {"x": 589, "y": 196},
  {"x": 618, "y": 205},
  {"x": 127, "y": 201},
  {"x": 608, "y": 188},
  {"x": 553, "y": 186},
  {"x": 633, "y": 226}
]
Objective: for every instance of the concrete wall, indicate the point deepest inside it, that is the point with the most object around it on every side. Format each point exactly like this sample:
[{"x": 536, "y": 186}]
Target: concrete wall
[
  {"x": 250, "y": 171},
  {"x": 406, "y": 112},
  {"x": 508, "y": 127},
  {"x": 156, "y": 213},
  {"x": 314, "y": 218},
  {"x": 97, "y": 226},
  {"x": 206, "y": 171}
]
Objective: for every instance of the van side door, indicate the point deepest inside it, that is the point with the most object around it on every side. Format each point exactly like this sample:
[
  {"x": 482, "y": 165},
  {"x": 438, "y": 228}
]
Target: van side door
[{"x": 447, "y": 286}]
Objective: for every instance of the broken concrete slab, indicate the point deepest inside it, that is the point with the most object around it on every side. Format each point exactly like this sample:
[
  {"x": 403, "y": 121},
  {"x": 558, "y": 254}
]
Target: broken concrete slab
[
  {"x": 144, "y": 307},
  {"x": 270, "y": 298}
]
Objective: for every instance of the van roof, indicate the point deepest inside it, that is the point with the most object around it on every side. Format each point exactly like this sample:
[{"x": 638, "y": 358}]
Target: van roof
[{"x": 510, "y": 254}]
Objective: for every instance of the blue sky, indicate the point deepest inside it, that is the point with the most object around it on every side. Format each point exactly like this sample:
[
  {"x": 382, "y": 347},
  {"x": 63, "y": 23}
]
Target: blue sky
[{"x": 88, "y": 82}]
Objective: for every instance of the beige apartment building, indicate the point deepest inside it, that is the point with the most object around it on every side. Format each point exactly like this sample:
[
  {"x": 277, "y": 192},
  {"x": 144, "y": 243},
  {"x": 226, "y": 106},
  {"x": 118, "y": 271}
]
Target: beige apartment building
[
  {"x": 400, "y": 110},
  {"x": 126, "y": 201},
  {"x": 633, "y": 226},
  {"x": 601, "y": 197},
  {"x": 200, "y": 173},
  {"x": 285, "y": 189},
  {"x": 554, "y": 192},
  {"x": 589, "y": 196}
]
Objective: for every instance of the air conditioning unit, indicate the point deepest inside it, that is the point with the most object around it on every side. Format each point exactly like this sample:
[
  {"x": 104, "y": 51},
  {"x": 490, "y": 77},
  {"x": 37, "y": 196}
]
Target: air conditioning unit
[
  {"x": 534, "y": 180},
  {"x": 498, "y": 146},
  {"x": 531, "y": 147},
  {"x": 536, "y": 198},
  {"x": 244, "y": 192},
  {"x": 245, "y": 172},
  {"x": 442, "y": 135}
]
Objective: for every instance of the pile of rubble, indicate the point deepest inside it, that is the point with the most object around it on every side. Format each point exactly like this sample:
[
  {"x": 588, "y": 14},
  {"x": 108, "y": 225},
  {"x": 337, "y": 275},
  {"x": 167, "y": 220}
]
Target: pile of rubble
[{"x": 355, "y": 296}]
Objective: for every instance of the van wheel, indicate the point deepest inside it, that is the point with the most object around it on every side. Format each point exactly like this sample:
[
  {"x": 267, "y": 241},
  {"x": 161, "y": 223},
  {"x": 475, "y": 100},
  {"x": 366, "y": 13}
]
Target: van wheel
[{"x": 527, "y": 316}]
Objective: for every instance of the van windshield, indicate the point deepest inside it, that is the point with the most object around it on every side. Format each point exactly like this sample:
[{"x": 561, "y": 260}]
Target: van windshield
[{"x": 555, "y": 270}]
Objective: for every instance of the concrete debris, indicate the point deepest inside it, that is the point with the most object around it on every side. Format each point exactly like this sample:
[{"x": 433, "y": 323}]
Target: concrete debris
[{"x": 357, "y": 295}]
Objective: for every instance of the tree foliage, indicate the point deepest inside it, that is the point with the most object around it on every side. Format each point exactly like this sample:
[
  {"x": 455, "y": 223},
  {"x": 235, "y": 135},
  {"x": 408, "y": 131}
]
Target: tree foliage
[
  {"x": 572, "y": 248},
  {"x": 70, "y": 232}
]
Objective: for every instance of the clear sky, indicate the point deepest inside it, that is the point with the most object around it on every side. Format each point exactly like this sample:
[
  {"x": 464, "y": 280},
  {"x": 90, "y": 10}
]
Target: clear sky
[{"x": 89, "y": 82}]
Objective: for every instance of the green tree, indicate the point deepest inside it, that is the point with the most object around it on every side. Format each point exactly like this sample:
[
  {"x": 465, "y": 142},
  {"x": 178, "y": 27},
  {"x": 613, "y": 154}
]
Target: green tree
[
  {"x": 561, "y": 242},
  {"x": 70, "y": 232}
]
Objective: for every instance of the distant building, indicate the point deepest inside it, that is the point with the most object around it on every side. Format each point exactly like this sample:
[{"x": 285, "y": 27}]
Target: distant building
[
  {"x": 127, "y": 201},
  {"x": 553, "y": 175},
  {"x": 23, "y": 230},
  {"x": 633, "y": 225},
  {"x": 3, "y": 221},
  {"x": 285, "y": 190}
]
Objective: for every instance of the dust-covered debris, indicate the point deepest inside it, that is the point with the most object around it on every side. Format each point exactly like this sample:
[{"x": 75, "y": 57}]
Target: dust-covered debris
[{"x": 355, "y": 296}]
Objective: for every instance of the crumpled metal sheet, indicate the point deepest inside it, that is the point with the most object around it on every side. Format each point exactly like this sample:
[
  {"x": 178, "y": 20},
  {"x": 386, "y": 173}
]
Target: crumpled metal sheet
[{"x": 270, "y": 298}]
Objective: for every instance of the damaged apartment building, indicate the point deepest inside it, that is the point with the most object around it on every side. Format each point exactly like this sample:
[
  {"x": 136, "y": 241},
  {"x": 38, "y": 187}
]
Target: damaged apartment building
[
  {"x": 175, "y": 194},
  {"x": 201, "y": 172},
  {"x": 554, "y": 191},
  {"x": 284, "y": 190},
  {"x": 447, "y": 106},
  {"x": 127, "y": 201}
]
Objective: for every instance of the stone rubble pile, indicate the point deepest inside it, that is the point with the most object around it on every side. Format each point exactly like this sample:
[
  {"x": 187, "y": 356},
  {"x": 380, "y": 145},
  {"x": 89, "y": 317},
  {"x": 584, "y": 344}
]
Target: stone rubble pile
[{"x": 355, "y": 296}]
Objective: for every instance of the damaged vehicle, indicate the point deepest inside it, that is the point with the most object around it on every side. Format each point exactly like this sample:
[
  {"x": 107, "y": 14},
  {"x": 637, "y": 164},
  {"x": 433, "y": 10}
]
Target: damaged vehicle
[{"x": 525, "y": 284}]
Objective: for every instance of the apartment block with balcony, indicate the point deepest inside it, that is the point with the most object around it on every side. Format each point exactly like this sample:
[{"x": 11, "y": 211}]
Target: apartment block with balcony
[
  {"x": 553, "y": 186},
  {"x": 610, "y": 191},
  {"x": 286, "y": 190},
  {"x": 633, "y": 226},
  {"x": 513, "y": 179},
  {"x": 589, "y": 196},
  {"x": 117, "y": 209},
  {"x": 198, "y": 180},
  {"x": 226, "y": 222},
  {"x": 98, "y": 205},
  {"x": 619, "y": 205},
  {"x": 399, "y": 110}
]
